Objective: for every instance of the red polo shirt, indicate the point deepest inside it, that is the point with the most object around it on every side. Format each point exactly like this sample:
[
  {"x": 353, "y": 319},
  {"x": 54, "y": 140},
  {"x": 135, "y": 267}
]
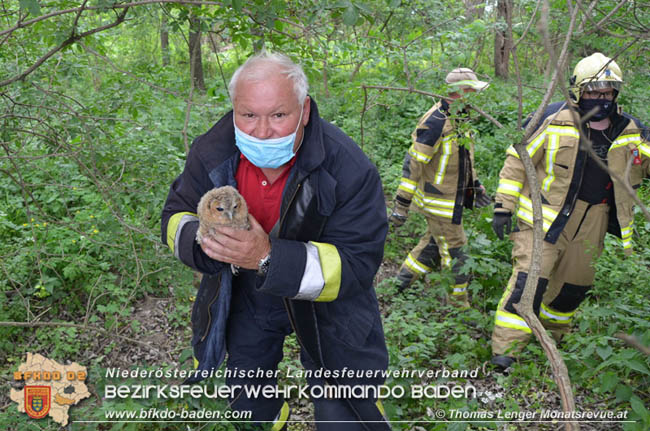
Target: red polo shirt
[{"x": 263, "y": 198}]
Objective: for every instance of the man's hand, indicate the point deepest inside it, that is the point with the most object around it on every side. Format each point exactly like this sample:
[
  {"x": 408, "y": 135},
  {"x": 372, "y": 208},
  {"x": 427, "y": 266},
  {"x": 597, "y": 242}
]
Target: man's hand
[
  {"x": 481, "y": 198},
  {"x": 398, "y": 215},
  {"x": 243, "y": 248},
  {"x": 500, "y": 221}
]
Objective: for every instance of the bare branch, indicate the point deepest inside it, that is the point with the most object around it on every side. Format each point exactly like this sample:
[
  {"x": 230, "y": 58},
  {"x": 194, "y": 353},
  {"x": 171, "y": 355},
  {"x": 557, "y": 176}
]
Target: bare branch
[
  {"x": 525, "y": 306},
  {"x": 634, "y": 342}
]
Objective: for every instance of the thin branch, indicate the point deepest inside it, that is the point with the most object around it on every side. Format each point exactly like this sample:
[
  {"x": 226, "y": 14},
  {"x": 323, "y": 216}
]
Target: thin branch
[
  {"x": 73, "y": 38},
  {"x": 634, "y": 342},
  {"x": 525, "y": 306},
  {"x": 434, "y": 95}
]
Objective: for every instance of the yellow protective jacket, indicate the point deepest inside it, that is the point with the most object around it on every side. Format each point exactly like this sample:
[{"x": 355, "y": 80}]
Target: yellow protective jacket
[
  {"x": 438, "y": 172},
  {"x": 559, "y": 162}
]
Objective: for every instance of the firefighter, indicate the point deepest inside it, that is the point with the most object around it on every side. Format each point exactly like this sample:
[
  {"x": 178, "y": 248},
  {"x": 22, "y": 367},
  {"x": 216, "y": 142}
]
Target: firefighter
[
  {"x": 580, "y": 201},
  {"x": 438, "y": 176},
  {"x": 316, "y": 239}
]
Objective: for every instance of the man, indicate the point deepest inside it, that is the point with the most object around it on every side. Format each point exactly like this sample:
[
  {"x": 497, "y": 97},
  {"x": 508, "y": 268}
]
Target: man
[
  {"x": 318, "y": 226},
  {"x": 580, "y": 201},
  {"x": 438, "y": 175}
]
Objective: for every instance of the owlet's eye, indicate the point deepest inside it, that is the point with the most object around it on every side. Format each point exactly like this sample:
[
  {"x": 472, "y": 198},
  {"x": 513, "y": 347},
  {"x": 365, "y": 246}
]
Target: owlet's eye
[{"x": 219, "y": 209}]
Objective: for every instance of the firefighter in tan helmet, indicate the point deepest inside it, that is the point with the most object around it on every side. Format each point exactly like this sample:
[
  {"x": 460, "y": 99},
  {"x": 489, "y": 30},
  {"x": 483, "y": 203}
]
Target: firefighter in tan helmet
[
  {"x": 581, "y": 201},
  {"x": 438, "y": 176}
]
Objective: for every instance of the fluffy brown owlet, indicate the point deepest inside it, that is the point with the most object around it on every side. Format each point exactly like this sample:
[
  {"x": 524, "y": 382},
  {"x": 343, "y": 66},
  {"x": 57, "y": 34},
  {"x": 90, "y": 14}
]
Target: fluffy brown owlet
[{"x": 222, "y": 206}]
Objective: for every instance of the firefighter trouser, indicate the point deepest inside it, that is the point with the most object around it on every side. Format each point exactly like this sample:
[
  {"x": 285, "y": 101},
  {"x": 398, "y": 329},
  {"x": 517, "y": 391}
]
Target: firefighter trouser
[
  {"x": 440, "y": 246},
  {"x": 255, "y": 336},
  {"x": 567, "y": 273}
]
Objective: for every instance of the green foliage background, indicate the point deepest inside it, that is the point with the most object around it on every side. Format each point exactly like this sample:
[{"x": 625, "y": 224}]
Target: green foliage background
[{"x": 92, "y": 139}]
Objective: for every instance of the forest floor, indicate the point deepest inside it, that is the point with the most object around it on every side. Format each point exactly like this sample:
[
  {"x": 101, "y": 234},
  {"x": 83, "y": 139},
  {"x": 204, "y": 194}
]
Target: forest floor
[{"x": 152, "y": 338}]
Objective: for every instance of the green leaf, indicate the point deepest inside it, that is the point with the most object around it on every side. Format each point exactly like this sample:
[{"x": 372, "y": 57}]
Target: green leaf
[
  {"x": 639, "y": 366},
  {"x": 639, "y": 408},
  {"x": 350, "y": 15},
  {"x": 608, "y": 381},
  {"x": 237, "y": 5},
  {"x": 604, "y": 352},
  {"x": 395, "y": 4},
  {"x": 31, "y": 5},
  {"x": 623, "y": 393}
]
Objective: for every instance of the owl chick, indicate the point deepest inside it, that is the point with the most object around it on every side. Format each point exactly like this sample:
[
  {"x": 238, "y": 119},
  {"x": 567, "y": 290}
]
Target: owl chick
[{"x": 222, "y": 206}]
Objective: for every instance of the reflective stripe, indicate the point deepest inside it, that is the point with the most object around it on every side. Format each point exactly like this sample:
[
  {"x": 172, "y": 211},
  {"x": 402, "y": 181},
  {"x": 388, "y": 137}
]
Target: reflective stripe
[
  {"x": 626, "y": 139},
  {"x": 420, "y": 157},
  {"x": 551, "y": 153},
  {"x": 459, "y": 289},
  {"x": 626, "y": 235},
  {"x": 380, "y": 407},
  {"x": 415, "y": 266},
  {"x": 525, "y": 212},
  {"x": 564, "y": 131},
  {"x": 645, "y": 149},
  {"x": 547, "y": 212},
  {"x": 510, "y": 187},
  {"x": 330, "y": 263},
  {"x": 548, "y": 313},
  {"x": 445, "y": 203},
  {"x": 175, "y": 227},
  {"x": 536, "y": 144},
  {"x": 439, "y": 207},
  {"x": 528, "y": 217},
  {"x": 408, "y": 185},
  {"x": 512, "y": 321},
  {"x": 313, "y": 281},
  {"x": 281, "y": 419},
  {"x": 444, "y": 160},
  {"x": 511, "y": 150},
  {"x": 443, "y": 249}
]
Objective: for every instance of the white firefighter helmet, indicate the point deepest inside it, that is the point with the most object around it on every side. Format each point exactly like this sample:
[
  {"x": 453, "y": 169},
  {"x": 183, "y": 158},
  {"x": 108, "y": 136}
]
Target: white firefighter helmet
[{"x": 594, "y": 72}]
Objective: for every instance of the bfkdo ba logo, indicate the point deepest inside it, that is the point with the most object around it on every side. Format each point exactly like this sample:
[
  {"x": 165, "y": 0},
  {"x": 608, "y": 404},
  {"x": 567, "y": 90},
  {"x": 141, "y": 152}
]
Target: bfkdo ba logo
[{"x": 38, "y": 400}]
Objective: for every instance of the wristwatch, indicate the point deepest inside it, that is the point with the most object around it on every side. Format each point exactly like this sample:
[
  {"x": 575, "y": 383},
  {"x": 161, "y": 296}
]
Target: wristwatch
[{"x": 263, "y": 265}]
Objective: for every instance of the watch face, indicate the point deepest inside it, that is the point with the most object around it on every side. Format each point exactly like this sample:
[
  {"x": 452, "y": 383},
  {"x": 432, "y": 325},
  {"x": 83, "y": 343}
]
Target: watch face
[{"x": 263, "y": 266}]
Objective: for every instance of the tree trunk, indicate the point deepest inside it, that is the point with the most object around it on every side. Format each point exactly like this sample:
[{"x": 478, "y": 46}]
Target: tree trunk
[
  {"x": 502, "y": 43},
  {"x": 196, "y": 62},
  {"x": 164, "y": 40}
]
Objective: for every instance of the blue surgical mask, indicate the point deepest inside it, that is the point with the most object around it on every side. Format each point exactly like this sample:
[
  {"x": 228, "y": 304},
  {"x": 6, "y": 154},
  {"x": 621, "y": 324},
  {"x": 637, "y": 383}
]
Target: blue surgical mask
[{"x": 266, "y": 153}]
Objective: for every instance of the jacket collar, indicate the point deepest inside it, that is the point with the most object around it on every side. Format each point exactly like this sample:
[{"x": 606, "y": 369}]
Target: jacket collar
[
  {"x": 444, "y": 105},
  {"x": 312, "y": 151}
]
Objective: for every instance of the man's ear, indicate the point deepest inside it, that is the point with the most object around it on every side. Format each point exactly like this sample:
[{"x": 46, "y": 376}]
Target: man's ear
[{"x": 306, "y": 109}]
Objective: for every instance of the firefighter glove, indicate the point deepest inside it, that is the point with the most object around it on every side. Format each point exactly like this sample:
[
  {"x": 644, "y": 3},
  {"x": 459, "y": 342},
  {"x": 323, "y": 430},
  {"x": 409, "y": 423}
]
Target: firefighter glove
[
  {"x": 482, "y": 199},
  {"x": 398, "y": 215},
  {"x": 500, "y": 221}
]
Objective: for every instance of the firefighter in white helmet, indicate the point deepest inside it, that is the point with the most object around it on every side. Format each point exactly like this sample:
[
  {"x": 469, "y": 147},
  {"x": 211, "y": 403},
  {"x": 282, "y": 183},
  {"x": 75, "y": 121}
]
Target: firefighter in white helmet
[{"x": 580, "y": 201}]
